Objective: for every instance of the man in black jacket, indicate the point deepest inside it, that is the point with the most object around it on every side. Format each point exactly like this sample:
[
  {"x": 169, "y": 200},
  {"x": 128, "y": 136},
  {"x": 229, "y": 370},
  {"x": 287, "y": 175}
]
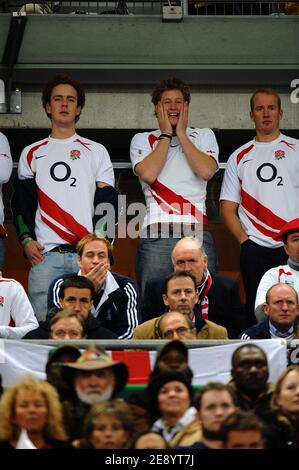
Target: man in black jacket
[
  {"x": 116, "y": 302},
  {"x": 219, "y": 298},
  {"x": 75, "y": 296}
]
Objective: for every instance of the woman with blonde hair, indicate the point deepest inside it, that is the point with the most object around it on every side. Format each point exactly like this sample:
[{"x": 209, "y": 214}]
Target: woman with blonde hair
[{"x": 33, "y": 406}]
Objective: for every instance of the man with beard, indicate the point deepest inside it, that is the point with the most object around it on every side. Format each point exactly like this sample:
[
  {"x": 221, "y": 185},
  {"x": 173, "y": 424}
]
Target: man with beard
[
  {"x": 216, "y": 402},
  {"x": 95, "y": 378}
]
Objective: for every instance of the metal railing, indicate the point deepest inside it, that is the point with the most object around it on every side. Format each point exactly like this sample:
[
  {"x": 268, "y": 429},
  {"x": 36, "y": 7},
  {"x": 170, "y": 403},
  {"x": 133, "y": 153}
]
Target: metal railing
[{"x": 152, "y": 7}]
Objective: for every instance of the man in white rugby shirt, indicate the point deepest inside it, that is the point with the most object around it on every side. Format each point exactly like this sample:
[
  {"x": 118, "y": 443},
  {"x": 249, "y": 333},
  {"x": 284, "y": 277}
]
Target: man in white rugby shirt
[
  {"x": 16, "y": 314},
  {"x": 260, "y": 194},
  {"x": 174, "y": 164},
  {"x": 287, "y": 273},
  {"x": 61, "y": 179}
]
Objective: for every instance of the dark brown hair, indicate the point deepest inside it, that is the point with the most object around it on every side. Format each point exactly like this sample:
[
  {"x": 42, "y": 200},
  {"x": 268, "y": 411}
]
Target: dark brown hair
[{"x": 63, "y": 79}]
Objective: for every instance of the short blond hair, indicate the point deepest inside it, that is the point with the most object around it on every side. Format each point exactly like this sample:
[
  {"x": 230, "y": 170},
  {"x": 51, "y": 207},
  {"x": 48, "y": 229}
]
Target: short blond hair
[{"x": 54, "y": 428}]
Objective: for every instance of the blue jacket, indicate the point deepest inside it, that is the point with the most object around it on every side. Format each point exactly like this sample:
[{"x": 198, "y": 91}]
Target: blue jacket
[{"x": 259, "y": 331}]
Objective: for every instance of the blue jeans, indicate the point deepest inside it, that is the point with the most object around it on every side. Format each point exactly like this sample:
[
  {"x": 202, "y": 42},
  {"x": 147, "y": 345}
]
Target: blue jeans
[
  {"x": 2, "y": 252},
  {"x": 41, "y": 275},
  {"x": 154, "y": 257}
]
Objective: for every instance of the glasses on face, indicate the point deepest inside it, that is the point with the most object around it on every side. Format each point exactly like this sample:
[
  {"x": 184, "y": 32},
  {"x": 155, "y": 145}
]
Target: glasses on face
[{"x": 180, "y": 331}]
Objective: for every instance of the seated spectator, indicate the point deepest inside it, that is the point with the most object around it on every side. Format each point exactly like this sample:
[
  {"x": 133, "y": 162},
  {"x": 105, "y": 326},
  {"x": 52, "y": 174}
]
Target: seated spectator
[
  {"x": 242, "y": 430},
  {"x": 285, "y": 404},
  {"x": 281, "y": 309},
  {"x": 17, "y": 316},
  {"x": 216, "y": 402},
  {"x": 17, "y": 406},
  {"x": 172, "y": 357},
  {"x": 149, "y": 440},
  {"x": 218, "y": 296},
  {"x": 56, "y": 356},
  {"x": 67, "y": 325},
  {"x": 250, "y": 373},
  {"x": 107, "y": 426},
  {"x": 171, "y": 408},
  {"x": 95, "y": 378},
  {"x": 296, "y": 327},
  {"x": 176, "y": 325},
  {"x": 181, "y": 296},
  {"x": 288, "y": 273},
  {"x": 75, "y": 296},
  {"x": 116, "y": 301}
]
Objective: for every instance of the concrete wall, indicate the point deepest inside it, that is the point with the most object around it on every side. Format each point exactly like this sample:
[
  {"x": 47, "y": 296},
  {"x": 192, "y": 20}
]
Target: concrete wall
[{"x": 124, "y": 110}]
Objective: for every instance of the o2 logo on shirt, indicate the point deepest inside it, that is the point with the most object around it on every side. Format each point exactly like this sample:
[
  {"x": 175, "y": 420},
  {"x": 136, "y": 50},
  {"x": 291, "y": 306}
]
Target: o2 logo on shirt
[
  {"x": 1, "y": 301},
  {"x": 267, "y": 172},
  {"x": 61, "y": 172}
]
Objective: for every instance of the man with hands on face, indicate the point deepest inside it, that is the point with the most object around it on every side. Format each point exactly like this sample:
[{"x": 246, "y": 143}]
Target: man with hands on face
[
  {"x": 174, "y": 164},
  {"x": 116, "y": 303}
]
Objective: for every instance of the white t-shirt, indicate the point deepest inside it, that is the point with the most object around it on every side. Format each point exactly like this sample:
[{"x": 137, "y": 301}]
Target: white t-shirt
[
  {"x": 16, "y": 314},
  {"x": 66, "y": 172},
  {"x": 280, "y": 274},
  {"x": 5, "y": 172},
  {"x": 178, "y": 194},
  {"x": 263, "y": 178}
]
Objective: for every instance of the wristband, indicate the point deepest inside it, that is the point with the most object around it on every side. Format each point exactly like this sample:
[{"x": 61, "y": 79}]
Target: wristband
[
  {"x": 26, "y": 241},
  {"x": 166, "y": 136}
]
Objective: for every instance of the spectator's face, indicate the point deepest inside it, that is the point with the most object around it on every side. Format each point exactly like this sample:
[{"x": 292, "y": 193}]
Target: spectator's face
[
  {"x": 266, "y": 114},
  {"x": 63, "y": 105},
  {"x": 54, "y": 376},
  {"x": 174, "y": 326},
  {"x": 173, "y": 399},
  {"x": 282, "y": 307},
  {"x": 173, "y": 359},
  {"x": 251, "y": 439},
  {"x": 77, "y": 300},
  {"x": 94, "y": 386},
  {"x": 288, "y": 398},
  {"x": 108, "y": 433},
  {"x": 216, "y": 406},
  {"x": 67, "y": 328},
  {"x": 94, "y": 254},
  {"x": 250, "y": 370},
  {"x": 172, "y": 102},
  {"x": 150, "y": 440},
  {"x": 31, "y": 411},
  {"x": 187, "y": 257},
  {"x": 292, "y": 246},
  {"x": 181, "y": 295}
]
